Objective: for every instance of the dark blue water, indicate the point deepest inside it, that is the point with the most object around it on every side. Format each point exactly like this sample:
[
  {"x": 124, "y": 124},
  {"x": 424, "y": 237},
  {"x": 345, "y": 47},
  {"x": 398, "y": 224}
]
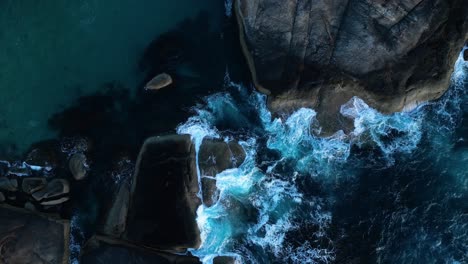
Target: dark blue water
[{"x": 394, "y": 190}]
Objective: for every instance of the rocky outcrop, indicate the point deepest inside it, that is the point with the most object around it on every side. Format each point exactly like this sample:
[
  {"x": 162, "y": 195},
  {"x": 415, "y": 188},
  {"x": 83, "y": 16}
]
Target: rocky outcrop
[
  {"x": 164, "y": 195},
  {"x": 214, "y": 157},
  {"x": 104, "y": 250},
  {"x": 321, "y": 53},
  {"x": 26, "y": 237}
]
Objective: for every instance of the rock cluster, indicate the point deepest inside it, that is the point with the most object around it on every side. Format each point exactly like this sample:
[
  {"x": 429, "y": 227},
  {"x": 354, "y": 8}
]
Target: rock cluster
[{"x": 319, "y": 54}]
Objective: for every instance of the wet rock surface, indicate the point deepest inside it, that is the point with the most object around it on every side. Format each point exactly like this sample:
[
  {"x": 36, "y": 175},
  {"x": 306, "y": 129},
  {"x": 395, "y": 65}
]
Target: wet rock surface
[
  {"x": 103, "y": 250},
  {"x": 216, "y": 156},
  {"x": 319, "y": 54},
  {"x": 164, "y": 195},
  {"x": 77, "y": 165},
  {"x": 159, "y": 81},
  {"x": 26, "y": 237}
]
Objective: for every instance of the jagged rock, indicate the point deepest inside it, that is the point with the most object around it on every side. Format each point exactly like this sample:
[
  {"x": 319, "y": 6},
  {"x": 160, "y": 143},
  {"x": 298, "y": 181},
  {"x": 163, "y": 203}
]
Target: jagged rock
[
  {"x": 224, "y": 260},
  {"x": 465, "y": 54},
  {"x": 320, "y": 54},
  {"x": 55, "y": 201},
  {"x": 105, "y": 250},
  {"x": 27, "y": 237},
  {"x": 33, "y": 184},
  {"x": 54, "y": 188},
  {"x": 159, "y": 81},
  {"x": 77, "y": 165},
  {"x": 214, "y": 157},
  {"x": 164, "y": 195},
  {"x": 2, "y": 197},
  {"x": 7, "y": 184},
  {"x": 116, "y": 217}
]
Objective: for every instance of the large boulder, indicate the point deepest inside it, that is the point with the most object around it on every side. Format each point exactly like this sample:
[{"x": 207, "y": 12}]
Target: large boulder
[
  {"x": 393, "y": 53},
  {"x": 115, "y": 219},
  {"x": 26, "y": 237},
  {"x": 105, "y": 250},
  {"x": 214, "y": 157},
  {"x": 164, "y": 195}
]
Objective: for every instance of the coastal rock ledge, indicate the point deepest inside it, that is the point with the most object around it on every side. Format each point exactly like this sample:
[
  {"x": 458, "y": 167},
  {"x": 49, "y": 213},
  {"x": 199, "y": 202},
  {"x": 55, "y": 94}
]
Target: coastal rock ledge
[{"x": 393, "y": 54}]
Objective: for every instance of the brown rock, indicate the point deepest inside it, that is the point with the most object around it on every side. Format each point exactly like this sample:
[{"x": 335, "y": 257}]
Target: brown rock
[
  {"x": 116, "y": 217},
  {"x": 107, "y": 250},
  {"x": 214, "y": 157},
  {"x": 159, "y": 81},
  {"x": 224, "y": 260},
  {"x": 7, "y": 184},
  {"x": 33, "y": 184},
  {"x": 28, "y": 237},
  {"x": 54, "y": 188},
  {"x": 77, "y": 166},
  {"x": 164, "y": 198},
  {"x": 320, "y": 54}
]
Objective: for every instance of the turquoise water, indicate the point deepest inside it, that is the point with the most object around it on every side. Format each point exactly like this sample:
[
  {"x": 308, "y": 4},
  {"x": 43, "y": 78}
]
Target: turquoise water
[
  {"x": 52, "y": 52},
  {"x": 393, "y": 190}
]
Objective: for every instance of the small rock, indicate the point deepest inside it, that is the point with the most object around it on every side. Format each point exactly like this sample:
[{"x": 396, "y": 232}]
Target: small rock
[
  {"x": 54, "y": 188},
  {"x": 2, "y": 197},
  {"x": 77, "y": 166},
  {"x": 160, "y": 81},
  {"x": 29, "y": 206},
  {"x": 31, "y": 185},
  {"x": 55, "y": 202},
  {"x": 465, "y": 54},
  {"x": 10, "y": 185}
]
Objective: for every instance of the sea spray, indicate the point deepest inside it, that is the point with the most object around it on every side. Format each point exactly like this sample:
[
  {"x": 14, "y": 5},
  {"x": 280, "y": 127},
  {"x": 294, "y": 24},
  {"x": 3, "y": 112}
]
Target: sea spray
[{"x": 262, "y": 212}]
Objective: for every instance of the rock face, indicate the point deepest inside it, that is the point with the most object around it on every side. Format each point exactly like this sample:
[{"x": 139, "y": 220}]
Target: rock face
[
  {"x": 164, "y": 195},
  {"x": 216, "y": 156},
  {"x": 29, "y": 238},
  {"x": 102, "y": 250},
  {"x": 159, "y": 81},
  {"x": 319, "y": 54},
  {"x": 116, "y": 218}
]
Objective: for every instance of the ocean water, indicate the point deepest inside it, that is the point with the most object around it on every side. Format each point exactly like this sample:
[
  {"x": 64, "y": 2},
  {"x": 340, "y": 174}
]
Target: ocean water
[
  {"x": 53, "y": 52},
  {"x": 394, "y": 190}
]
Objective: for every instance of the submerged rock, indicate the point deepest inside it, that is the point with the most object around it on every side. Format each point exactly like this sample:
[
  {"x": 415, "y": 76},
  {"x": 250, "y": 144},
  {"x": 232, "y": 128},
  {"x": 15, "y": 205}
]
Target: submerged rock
[
  {"x": 28, "y": 237},
  {"x": 320, "y": 54},
  {"x": 164, "y": 195},
  {"x": 2, "y": 197},
  {"x": 159, "y": 81},
  {"x": 465, "y": 54},
  {"x": 77, "y": 165},
  {"x": 105, "y": 250},
  {"x": 224, "y": 260},
  {"x": 214, "y": 157}
]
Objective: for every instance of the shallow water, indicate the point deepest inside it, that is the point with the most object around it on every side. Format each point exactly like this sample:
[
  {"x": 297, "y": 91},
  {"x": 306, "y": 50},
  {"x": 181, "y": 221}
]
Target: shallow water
[{"x": 53, "y": 52}]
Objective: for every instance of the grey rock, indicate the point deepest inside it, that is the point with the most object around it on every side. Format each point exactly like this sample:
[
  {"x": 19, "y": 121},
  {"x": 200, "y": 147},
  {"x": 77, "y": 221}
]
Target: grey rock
[
  {"x": 224, "y": 260},
  {"x": 320, "y": 54},
  {"x": 33, "y": 184},
  {"x": 7, "y": 184},
  {"x": 77, "y": 165},
  {"x": 53, "y": 202},
  {"x": 2, "y": 197},
  {"x": 159, "y": 81},
  {"x": 54, "y": 188}
]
